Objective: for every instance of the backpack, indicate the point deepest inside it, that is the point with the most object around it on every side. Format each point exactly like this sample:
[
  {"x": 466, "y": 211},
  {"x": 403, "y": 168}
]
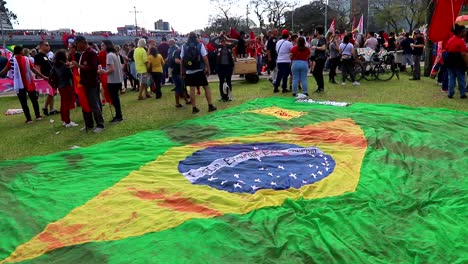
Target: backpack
[
  {"x": 192, "y": 56},
  {"x": 53, "y": 78}
]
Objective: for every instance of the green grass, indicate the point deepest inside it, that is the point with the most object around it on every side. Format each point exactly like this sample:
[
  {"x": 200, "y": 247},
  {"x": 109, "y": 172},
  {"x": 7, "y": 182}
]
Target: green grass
[{"x": 44, "y": 137}]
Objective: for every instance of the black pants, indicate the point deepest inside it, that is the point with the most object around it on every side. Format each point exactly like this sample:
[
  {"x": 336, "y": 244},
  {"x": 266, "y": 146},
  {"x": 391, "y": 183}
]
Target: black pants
[
  {"x": 334, "y": 62},
  {"x": 417, "y": 67},
  {"x": 157, "y": 79},
  {"x": 23, "y": 98},
  {"x": 114, "y": 90},
  {"x": 347, "y": 67},
  {"x": 94, "y": 101},
  {"x": 318, "y": 73},
  {"x": 212, "y": 60},
  {"x": 224, "y": 75}
]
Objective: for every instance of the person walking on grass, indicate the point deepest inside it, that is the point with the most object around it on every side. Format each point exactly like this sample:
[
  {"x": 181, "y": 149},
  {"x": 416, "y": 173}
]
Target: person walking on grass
[
  {"x": 155, "y": 67},
  {"x": 195, "y": 69},
  {"x": 20, "y": 69},
  {"x": 114, "y": 77}
]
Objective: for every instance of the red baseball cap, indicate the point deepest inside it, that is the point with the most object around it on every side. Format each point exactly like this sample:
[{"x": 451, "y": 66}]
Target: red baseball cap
[{"x": 285, "y": 32}]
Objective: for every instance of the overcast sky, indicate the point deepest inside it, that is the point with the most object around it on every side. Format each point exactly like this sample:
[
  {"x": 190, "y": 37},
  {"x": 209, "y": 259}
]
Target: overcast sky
[{"x": 93, "y": 15}]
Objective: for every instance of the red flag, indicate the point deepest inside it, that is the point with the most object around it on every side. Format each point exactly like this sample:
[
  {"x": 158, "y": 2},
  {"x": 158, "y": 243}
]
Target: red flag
[
  {"x": 332, "y": 26},
  {"x": 65, "y": 39},
  {"x": 443, "y": 19},
  {"x": 42, "y": 36},
  {"x": 234, "y": 34},
  {"x": 252, "y": 35}
]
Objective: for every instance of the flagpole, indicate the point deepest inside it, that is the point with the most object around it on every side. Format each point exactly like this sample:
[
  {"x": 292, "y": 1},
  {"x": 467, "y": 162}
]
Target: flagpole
[{"x": 326, "y": 13}]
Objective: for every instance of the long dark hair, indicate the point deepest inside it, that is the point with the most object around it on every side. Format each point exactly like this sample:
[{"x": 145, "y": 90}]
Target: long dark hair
[
  {"x": 60, "y": 57},
  {"x": 153, "y": 51},
  {"x": 192, "y": 38},
  {"x": 301, "y": 43},
  {"x": 109, "y": 46}
]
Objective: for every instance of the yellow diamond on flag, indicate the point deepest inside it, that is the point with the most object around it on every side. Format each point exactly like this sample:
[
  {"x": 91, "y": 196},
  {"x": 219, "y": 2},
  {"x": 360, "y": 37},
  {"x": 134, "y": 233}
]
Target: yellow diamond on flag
[{"x": 280, "y": 113}]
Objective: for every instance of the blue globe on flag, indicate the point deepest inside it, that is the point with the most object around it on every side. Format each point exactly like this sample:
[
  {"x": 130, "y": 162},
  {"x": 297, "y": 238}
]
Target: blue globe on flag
[{"x": 247, "y": 168}]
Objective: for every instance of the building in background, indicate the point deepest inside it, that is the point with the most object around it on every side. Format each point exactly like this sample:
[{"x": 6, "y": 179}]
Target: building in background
[{"x": 161, "y": 25}]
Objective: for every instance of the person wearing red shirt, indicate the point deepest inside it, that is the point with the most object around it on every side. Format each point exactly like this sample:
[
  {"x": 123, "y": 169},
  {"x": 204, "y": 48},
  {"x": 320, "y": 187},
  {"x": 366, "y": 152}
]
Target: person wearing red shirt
[
  {"x": 300, "y": 57},
  {"x": 455, "y": 63}
]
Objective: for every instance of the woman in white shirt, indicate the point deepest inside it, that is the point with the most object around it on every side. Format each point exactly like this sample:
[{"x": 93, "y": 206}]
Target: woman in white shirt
[
  {"x": 347, "y": 65},
  {"x": 283, "y": 62}
]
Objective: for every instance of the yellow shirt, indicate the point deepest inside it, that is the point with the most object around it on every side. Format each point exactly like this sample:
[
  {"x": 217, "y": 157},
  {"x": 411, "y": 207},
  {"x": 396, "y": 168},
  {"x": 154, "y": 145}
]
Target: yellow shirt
[
  {"x": 140, "y": 60},
  {"x": 156, "y": 63}
]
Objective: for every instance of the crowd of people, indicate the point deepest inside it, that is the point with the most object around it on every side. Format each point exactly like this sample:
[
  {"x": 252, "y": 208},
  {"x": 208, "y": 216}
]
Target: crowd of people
[{"x": 85, "y": 72}]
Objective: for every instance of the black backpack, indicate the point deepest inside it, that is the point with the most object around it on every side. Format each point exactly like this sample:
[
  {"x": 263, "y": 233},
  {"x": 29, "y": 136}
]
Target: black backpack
[{"x": 192, "y": 56}]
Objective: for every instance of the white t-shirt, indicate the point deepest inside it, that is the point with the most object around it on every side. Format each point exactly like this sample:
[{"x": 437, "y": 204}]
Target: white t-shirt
[
  {"x": 203, "y": 53},
  {"x": 283, "y": 48}
]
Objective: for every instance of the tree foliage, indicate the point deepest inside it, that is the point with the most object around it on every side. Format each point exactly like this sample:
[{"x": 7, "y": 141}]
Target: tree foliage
[
  {"x": 395, "y": 15},
  {"x": 10, "y": 16}
]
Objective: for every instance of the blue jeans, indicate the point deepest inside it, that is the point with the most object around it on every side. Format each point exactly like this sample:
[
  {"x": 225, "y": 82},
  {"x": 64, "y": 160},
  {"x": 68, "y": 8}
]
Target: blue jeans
[
  {"x": 300, "y": 69},
  {"x": 459, "y": 74},
  {"x": 284, "y": 69}
]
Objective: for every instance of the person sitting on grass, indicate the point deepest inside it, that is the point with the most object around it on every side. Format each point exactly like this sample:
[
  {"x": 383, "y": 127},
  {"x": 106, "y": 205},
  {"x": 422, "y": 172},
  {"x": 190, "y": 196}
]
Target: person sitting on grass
[{"x": 20, "y": 70}]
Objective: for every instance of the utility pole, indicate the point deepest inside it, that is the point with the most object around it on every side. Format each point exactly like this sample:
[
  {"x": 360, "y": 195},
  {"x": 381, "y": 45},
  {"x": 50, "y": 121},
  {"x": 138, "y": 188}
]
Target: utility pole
[
  {"x": 247, "y": 16},
  {"x": 326, "y": 14},
  {"x": 292, "y": 19},
  {"x": 135, "y": 13}
]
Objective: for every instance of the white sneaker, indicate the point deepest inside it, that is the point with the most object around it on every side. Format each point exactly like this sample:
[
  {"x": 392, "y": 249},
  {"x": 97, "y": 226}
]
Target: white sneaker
[
  {"x": 98, "y": 130},
  {"x": 356, "y": 83},
  {"x": 71, "y": 124},
  {"x": 343, "y": 83}
]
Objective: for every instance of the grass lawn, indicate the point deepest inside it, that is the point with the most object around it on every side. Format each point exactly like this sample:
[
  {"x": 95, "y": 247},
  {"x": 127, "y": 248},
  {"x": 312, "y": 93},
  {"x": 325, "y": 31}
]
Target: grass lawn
[{"x": 44, "y": 137}]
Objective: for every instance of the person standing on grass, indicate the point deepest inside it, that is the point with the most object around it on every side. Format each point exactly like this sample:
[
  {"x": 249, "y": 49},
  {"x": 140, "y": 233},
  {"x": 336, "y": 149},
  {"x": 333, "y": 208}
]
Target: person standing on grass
[
  {"x": 20, "y": 69},
  {"x": 418, "y": 48},
  {"x": 141, "y": 64},
  {"x": 300, "y": 66},
  {"x": 44, "y": 65},
  {"x": 283, "y": 62},
  {"x": 456, "y": 65},
  {"x": 320, "y": 58},
  {"x": 88, "y": 67},
  {"x": 195, "y": 69},
  {"x": 163, "y": 49},
  {"x": 114, "y": 77},
  {"x": 64, "y": 82},
  {"x": 347, "y": 60},
  {"x": 155, "y": 67}
]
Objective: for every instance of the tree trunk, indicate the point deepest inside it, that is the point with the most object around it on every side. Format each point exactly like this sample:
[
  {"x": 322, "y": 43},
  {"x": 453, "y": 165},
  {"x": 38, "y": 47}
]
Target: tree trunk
[{"x": 429, "y": 43}]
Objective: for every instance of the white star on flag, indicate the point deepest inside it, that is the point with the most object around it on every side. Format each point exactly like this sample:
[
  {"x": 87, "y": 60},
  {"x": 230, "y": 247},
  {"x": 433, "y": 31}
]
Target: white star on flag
[
  {"x": 237, "y": 185},
  {"x": 241, "y": 182},
  {"x": 280, "y": 167},
  {"x": 292, "y": 175},
  {"x": 313, "y": 175},
  {"x": 310, "y": 165},
  {"x": 212, "y": 179},
  {"x": 273, "y": 184},
  {"x": 255, "y": 148},
  {"x": 321, "y": 173},
  {"x": 254, "y": 187},
  {"x": 236, "y": 175},
  {"x": 223, "y": 182},
  {"x": 262, "y": 169},
  {"x": 304, "y": 181},
  {"x": 270, "y": 174},
  {"x": 259, "y": 159},
  {"x": 323, "y": 164},
  {"x": 257, "y": 180},
  {"x": 327, "y": 169}
]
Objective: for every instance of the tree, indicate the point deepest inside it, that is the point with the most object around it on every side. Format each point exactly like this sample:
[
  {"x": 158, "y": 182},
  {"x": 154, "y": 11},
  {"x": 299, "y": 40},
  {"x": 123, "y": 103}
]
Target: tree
[
  {"x": 259, "y": 9},
  {"x": 224, "y": 7},
  {"x": 9, "y": 15},
  {"x": 340, "y": 11},
  {"x": 397, "y": 14}
]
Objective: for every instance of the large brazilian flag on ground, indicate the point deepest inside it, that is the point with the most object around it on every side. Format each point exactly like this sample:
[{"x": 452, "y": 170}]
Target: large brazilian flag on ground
[{"x": 271, "y": 181}]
